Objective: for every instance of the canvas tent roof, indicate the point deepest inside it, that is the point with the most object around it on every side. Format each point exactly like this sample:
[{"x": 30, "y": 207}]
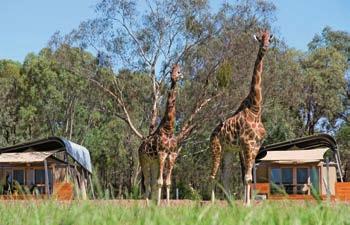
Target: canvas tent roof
[
  {"x": 79, "y": 153},
  {"x": 24, "y": 157},
  {"x": 295, "y": 156},
  {"x": 305, "y": 143}
]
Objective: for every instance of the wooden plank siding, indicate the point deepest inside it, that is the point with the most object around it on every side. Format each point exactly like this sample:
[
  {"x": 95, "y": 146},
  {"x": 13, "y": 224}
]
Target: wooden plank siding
[
  {"x": 261, "y": 188},
  {"x": 264, "y": 188},
  {"x": 342, "y": 191},
  {"x": 22, "y": 197},
  {"x": 63, "y": 191}
]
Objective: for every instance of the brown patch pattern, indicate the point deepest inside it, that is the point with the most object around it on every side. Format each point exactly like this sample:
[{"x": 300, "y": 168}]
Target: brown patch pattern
[{"x": 244, "y": 129}]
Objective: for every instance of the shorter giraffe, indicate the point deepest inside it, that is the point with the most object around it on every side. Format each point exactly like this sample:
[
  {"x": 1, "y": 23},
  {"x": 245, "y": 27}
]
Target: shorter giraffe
[
  {"x": 159, "y": 149},
  {"x": 244, "y": 130}
]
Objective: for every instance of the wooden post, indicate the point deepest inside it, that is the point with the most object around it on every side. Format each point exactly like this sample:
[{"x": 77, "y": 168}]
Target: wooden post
[
  {"x": 83, "y": 185},
  {"x": 254, "y": 175},
  {"x": 47, "y": 189},
  {"x": 337, "y": 159},
  {"x": 77, "y": 181},
  {"x": 327, "y": 178},
  {"x": 53, "y": 174},
  {"x": 91, "y": 186}
]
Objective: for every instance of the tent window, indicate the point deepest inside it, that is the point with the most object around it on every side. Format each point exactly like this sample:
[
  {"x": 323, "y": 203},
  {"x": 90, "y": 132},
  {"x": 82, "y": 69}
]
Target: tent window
[
  {"x": 302, "y": 180},
  {"x": 287, "y": 180},
  {"x": 315, "y": 179},
  {"x": 294, "y": 180},
  {"x": 18, "y": 175},
  {"x": 39, "y": 177},
  {"x": 302, "y": 175},
  {"x": 275, "y": 180}
]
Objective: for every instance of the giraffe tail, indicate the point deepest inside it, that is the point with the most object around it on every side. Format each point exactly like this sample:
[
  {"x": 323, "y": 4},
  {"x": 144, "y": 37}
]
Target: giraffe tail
[{"x": 216, "y": 151}]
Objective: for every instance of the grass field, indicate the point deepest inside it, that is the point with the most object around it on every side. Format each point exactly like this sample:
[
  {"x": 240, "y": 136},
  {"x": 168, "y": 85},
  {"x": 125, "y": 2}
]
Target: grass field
[{"x": 114, "y": 212}]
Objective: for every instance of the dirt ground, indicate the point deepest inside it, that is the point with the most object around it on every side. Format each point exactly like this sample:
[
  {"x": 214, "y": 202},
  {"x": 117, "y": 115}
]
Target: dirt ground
[
  {"x": 163, "y": 202},
  {"x": 124, "y": 202}
]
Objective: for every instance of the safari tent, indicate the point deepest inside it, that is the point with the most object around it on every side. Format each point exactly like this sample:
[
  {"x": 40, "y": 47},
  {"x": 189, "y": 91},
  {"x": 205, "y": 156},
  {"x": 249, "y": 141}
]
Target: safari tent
[
  {"x": 297, "y": 169},
  {"x": 49, "y": 168}
]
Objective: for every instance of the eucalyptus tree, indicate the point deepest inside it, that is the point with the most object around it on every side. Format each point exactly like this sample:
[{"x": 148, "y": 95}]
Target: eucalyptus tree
[
  {"x": 11, "y": 80},
  {"x": 148, "y": 41},
  {"x": 324, "y": 87},
  {"x": 339, "y": 40},
  {"x": 147, "y": 37}
]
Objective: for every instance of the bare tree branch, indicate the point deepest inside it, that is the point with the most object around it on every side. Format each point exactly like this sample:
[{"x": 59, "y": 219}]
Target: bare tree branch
[
  {"x": 154, "y": 112},
  {"x": 120, "y": 102},
  {"x": 188, "y": 126},
  {"x": 133, "y": 37},
  {"x": 119, "y": 98}
]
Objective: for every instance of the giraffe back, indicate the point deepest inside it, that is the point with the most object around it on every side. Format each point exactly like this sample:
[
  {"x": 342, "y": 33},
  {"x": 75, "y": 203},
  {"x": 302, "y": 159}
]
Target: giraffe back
[
  {"x": 158, "y": 142},
  {"x": 243, "y": 126}
]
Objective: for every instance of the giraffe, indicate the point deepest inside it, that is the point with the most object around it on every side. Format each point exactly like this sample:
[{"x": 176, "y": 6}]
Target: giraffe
[
  {"x": 244, "y": 130},
  {"x": 159, "y": 149}
]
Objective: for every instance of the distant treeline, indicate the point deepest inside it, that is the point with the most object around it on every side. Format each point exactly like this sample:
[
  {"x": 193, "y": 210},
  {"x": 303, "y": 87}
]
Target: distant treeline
[{"x": 104, "y": 85}]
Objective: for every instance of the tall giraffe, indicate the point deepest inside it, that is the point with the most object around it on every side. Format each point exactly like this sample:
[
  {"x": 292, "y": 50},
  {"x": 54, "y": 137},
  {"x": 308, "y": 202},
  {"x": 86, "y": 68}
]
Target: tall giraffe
[
  {"x": 159, "y": 149},
  {"x": 243, "y": 130}
]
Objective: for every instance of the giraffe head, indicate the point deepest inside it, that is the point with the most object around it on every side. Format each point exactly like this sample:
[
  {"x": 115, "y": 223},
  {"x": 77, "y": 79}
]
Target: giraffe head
[
  {"x": 264, "y": 38},
  {"x": 176, "y": 73}
]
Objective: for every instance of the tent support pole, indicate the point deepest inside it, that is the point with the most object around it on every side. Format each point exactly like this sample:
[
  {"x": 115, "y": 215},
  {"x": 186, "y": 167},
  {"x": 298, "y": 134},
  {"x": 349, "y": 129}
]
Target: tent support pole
[
  {"x": 337, "y": 159},
  {"x": 47, "y": 190},
  {"x": 91, "y": 186}
]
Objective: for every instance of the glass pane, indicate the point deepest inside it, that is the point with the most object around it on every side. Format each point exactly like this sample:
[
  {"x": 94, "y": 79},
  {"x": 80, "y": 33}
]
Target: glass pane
[
  {"x": 314, "y": 177},
  {"x": 276, "y": 175},
  {"x": 287, "y": 180},
  {"x": 39, "y": 176},
  {"x": 302, "y": 175},
  {"x": 18, "y": 175},
  {"x": 275, "y": 180},
  {"x": 287, "y": 175}
]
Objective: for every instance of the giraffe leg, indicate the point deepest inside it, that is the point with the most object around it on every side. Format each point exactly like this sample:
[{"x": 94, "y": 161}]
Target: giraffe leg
[
  {"x": 241, "y": 160},
  {"x": 212, "y": 186},
  {"x": 154, "y": 176},
  {"x": 145, "y": 168},
  {"x": 250, "y": 153},
  {"x": 216, "y": 150},
  {"x": 170, "y": 165},
  {"x": 161, "y": 160},
  {"x": 227, "y": 171}
]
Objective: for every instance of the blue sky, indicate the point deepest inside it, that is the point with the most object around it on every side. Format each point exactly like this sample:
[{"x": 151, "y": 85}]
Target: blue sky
[{"x": 27, "y": 25}]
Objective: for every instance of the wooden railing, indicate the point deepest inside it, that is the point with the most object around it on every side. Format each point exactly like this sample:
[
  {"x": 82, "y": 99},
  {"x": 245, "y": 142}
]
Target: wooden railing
[
  {"x": 264, "y": 188},
  {"x": 261, "y": 188},
  {"x": 61, "y": 191},
  {"x": 22, "y": 197}
]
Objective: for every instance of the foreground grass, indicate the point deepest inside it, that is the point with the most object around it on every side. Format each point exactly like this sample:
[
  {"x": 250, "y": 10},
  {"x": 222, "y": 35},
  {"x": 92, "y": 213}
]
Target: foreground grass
[{"x": 109, "y": 212}]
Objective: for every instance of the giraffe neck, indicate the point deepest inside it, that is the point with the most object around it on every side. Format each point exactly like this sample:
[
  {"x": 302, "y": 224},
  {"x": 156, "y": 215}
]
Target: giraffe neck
[
  {"x": 168, "y": 122},
  {"x": 255, "y": 94}
]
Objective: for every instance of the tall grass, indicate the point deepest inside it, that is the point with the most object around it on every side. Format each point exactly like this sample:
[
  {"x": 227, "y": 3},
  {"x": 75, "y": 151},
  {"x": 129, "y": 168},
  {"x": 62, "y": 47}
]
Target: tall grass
[{"x": 109, "y": 212}]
